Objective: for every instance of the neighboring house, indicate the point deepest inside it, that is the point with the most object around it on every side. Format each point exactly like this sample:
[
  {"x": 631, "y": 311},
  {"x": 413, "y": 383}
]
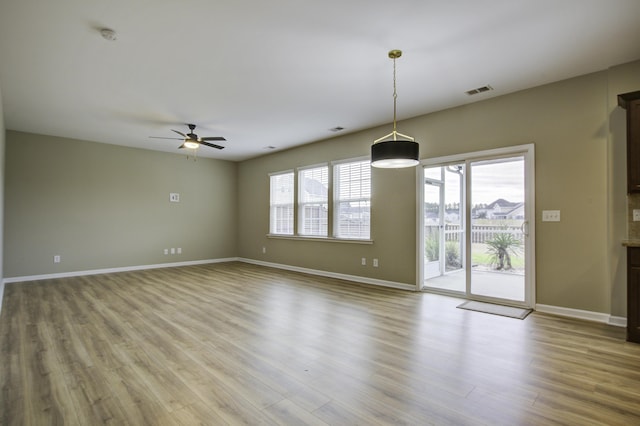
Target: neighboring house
[
  {"x": 500, "y": 209},
  {"x": 516, "y": 213},
  {"x": 314, "y": 189}
]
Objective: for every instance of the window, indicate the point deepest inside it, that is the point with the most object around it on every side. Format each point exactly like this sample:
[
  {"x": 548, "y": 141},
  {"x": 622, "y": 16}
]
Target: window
[
  {"x": 281, "y": 204},
  {"x": 313, "y": 207},
  {"x": 311, "y": 213},
  {"x": 352, "y": 205}
]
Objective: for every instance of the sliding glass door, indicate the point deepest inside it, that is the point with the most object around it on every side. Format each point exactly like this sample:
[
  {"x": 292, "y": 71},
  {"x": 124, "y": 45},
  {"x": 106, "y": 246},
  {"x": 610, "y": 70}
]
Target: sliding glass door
[
  {"x": 498, "y": 246},
  {"x": 475, "y": 236},
  {"x": 444, "y": 227}
]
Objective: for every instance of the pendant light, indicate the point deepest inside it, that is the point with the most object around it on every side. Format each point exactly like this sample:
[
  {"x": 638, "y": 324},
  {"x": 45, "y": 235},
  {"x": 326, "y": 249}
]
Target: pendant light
[{"x": 394, "y": 153}]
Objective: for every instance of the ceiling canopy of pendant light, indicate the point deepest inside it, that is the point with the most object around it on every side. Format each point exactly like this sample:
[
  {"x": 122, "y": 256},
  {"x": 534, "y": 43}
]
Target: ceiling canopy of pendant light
[{"x": 394, "y": 153}]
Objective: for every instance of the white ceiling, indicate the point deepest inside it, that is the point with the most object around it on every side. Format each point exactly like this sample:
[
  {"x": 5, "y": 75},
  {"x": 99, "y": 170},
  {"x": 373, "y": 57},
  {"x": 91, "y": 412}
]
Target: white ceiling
[{"x": 283, "y": 72}]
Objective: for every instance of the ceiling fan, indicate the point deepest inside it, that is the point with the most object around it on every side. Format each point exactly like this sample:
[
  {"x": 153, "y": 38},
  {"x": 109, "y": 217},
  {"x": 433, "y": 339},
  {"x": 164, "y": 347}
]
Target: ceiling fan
[{"x": 192, "y": 141}]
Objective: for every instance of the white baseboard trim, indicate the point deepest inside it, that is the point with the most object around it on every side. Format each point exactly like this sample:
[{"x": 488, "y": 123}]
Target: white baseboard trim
[
  {"x": 618, "y": 321},
  {"x": 110, "y": 270},
  {"x": 346, "y": 277},
  {"x": 355, "y": 278},
  {"x": 584, "y": 315},
  {"x": 549, "y": 309}
]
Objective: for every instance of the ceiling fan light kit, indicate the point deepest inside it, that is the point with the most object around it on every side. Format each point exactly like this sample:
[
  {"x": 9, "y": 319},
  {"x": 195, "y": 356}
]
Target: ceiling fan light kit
[
  {"x": 191, "y": 145},
  {"x": 395, "y": 153}
]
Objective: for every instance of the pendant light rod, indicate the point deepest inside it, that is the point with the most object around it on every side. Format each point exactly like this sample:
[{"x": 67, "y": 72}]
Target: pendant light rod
[
  {"x": 394, "y": 54},
  {"x": 394, "y": 153}
]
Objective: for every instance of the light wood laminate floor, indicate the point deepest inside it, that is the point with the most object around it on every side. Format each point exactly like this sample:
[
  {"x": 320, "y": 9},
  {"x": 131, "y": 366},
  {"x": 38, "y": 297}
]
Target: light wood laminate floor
[{"x": 237, "y": 343}]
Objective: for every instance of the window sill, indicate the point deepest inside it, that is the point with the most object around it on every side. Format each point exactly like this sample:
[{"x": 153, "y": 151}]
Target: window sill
[{"x": 321, "y": 239}]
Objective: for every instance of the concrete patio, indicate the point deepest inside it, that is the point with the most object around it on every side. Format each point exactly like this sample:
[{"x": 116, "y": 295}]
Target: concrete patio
[{"x": 503, "y": 285}]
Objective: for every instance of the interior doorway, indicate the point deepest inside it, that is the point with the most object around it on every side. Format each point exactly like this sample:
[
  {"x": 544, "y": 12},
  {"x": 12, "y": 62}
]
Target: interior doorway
[{"x": 476, "y": 230}]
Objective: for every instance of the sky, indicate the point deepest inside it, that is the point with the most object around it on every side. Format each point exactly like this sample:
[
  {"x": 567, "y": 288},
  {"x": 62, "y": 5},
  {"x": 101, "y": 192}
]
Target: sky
[{"x": 490, "y": 181}]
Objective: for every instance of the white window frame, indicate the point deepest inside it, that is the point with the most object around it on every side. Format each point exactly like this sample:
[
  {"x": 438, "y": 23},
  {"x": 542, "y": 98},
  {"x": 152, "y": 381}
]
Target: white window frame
[
  {"x": 305, "y": 228},
  {"x": 274, "y": 206},
  {"x": 332, "y": 220},
  {"x": 337, "y": 200}
]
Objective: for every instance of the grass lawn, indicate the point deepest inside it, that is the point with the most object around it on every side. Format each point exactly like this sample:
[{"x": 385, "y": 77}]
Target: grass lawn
[{"x": 480, "y": 256}]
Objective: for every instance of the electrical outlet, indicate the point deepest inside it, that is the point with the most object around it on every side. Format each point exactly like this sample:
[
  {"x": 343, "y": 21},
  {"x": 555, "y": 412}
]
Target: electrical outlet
[
  {"x": 364, "y": 261},
  {"x": 636, "y": 215},
  {"x": 264, "y": 250},
  {"x": 551, "y": 215},
  {"x": 179, "y": 250},
  {"x": 166, "y": 251},
  {"x": 173, "y": 250},
  {"x": 174, "y": 197},
  {"x": 56, "y": 258},
  {"x": 375, "y": 263}
]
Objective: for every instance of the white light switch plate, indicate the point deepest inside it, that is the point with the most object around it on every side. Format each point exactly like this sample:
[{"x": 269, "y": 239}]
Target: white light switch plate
[
  {"x": 174, "y": 197},
  {"x": 636, "y": 215},
  {"x": 551, "y": 215}
]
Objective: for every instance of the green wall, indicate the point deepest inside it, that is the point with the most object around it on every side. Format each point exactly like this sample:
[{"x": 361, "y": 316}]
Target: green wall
[
  {"x": 569, "y": 123},
  {"x": 393, "y": 222},
  {"x": 105, "y": 206}
]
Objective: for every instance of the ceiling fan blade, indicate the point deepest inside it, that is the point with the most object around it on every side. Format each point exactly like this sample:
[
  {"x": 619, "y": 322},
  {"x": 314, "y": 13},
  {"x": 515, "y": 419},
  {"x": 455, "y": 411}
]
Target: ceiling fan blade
[
  {"x": 180, "y": 133},
  {"x": 159, "y": 137},
  {"x": 212, "y": 145},
  {"x": 213, "y": 138}
]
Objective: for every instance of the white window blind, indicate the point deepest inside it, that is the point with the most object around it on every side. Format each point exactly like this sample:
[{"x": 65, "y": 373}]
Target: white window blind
[
  {"x": 313, "y": 207},
  {"x": 352, "y": 205},
  {"x": 281, "y": 204}
]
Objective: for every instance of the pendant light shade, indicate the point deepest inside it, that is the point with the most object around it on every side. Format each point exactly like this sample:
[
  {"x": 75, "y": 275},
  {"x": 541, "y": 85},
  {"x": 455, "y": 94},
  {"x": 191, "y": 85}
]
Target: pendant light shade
[{"x": 395, "y": 153}]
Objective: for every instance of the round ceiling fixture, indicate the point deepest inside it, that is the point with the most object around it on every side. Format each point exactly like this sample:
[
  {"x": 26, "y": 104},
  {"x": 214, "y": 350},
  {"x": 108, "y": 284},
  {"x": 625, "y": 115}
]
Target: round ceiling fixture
[{"x": 108, "y": 34}]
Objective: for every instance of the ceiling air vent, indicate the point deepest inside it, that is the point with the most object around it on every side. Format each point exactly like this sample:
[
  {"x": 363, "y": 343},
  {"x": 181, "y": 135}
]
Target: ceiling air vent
[{"x": 479, "y": 90}]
